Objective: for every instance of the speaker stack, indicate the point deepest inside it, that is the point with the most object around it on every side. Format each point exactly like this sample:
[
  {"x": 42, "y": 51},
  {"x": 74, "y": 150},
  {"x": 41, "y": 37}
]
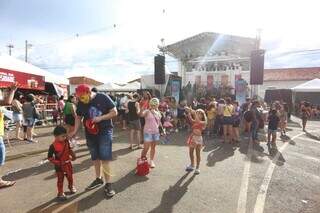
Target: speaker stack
[
  {"x": 257, "y": 67},
  {"x": 159, "y": 69}
]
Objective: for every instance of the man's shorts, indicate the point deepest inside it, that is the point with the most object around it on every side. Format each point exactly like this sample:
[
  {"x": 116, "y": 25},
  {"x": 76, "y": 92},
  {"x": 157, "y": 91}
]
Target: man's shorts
[
  {"x": 151, "y": 137},
  {"x": 29, "y": 122},
  {"x": 272, "y": 131},
  {"x": 100, "y": 146},
  {"x": 2, "y": 151}
]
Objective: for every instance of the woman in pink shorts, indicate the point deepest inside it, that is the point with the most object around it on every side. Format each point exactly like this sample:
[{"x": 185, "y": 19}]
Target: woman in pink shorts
[{"x": 151, "y": 132}]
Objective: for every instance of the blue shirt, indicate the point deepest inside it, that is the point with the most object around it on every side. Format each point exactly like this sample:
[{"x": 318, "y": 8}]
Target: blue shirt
[{"x": 100, "y": 105}]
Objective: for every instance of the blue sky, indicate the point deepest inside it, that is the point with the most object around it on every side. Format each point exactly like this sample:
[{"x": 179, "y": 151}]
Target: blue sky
[{"x": 77, "y": 37}]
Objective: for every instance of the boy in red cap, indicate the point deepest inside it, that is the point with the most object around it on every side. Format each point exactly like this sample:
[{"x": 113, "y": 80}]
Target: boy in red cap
[
  {"x": 59, "y": 154},
  {"x": 97, "y": 110}
]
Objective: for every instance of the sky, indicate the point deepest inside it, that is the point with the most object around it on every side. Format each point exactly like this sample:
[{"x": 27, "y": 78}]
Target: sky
[{"x": 116, "y": 40}]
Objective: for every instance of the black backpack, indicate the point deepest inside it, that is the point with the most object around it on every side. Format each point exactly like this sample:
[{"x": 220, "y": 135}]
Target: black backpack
[{"x": 248, "y": 116}]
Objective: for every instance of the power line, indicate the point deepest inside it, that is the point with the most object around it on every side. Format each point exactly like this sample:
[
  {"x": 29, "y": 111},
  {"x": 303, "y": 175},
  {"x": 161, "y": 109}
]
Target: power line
[{"x": 77, "y": 35}]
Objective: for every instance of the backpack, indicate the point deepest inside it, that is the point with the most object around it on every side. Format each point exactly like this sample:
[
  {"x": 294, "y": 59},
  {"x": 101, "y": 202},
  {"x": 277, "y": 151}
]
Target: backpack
[
  {"x": 248, "y": 116},
  {"x": 143, "y": 167}
]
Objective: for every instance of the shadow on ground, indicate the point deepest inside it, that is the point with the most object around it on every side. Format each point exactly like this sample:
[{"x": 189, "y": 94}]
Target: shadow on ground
[{"x": 173, "y": 195}]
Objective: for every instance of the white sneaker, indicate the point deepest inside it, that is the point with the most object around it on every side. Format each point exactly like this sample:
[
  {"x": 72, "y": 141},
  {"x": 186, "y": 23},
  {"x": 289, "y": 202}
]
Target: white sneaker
[
  {"x": 189, "y": 168},
  {"x": 197, "y": 171},
  {"x": 152, "y": 165}
]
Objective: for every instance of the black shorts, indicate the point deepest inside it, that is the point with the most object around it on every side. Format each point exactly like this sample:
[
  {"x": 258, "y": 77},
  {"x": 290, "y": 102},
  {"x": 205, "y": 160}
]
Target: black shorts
[
  {"x": 236, "y": 123},
  {"x": 142, "y": 122},
  {"x": 227, "y": 120},
  {"x": 69, "y": 119},
  {"x": 121, "y": 112}
]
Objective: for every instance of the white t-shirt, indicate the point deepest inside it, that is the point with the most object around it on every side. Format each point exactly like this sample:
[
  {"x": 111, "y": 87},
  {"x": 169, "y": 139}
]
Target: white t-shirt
[{"x": 123, "y": 102}]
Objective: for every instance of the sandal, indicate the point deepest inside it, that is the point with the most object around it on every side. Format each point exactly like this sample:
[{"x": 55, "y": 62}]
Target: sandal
[{"x": 5, "y": 184}]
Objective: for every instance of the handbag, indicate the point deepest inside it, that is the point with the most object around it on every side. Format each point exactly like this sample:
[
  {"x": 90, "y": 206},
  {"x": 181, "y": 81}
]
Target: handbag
[{"x": 143, "y": 167}]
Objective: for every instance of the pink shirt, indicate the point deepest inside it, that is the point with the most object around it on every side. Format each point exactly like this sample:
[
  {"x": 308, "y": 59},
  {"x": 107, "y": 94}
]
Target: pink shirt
[{"x": 152, "y": 122}]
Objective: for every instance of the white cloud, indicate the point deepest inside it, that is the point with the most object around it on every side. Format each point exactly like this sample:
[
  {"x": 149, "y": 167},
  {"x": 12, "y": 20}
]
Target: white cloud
[{"x": 126, "y": 51}]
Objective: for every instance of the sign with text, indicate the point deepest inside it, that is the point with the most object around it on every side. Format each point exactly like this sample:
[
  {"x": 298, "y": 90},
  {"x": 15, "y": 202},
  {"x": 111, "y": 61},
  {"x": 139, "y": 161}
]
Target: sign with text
[
  {"x": 175, "y": 89},
  {"x": 209, "y": 81},
  {"x": 25, "y": 80}
]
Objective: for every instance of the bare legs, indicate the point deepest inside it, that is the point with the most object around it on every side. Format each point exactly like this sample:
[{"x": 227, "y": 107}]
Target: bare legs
[{"x": 198, "y": 155}]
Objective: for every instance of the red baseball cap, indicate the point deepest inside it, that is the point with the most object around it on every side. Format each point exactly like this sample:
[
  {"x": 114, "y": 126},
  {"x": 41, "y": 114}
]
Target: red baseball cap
[
  {"x": 82, "y": 89},
  {"x": 91, "y": 127}
]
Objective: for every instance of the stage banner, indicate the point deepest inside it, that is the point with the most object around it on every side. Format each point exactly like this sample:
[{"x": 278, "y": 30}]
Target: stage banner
[
  {"x": 241, "y": 90},
  {"x": 209, "y": 82},
  {"x": 224, "y": 80},
  {"x": 175, "y": 89},
  {"x": 25, "y": 80},
  {"x": 198, "y": 80}
]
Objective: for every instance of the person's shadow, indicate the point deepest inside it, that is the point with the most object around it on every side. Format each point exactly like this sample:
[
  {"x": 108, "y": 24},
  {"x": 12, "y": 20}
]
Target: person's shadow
[
  {"x": 276, "y": 157},
  {"x": 220, "y": 152},
  {"x": 173, "y": 195},
  {"x": 119, "y": 186},
  {"x": 53, "y": 205}
]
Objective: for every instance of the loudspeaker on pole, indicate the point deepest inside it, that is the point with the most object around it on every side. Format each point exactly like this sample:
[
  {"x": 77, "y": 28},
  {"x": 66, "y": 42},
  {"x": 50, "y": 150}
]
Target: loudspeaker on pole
[
  {"x": 257, "y": 67},
  {"x": 159, "y": 69}
]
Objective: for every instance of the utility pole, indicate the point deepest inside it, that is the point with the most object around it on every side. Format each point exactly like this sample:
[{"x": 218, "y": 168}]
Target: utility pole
[
  {"x": 26, "y": 54},
  {"x": 10, "y": 46}
]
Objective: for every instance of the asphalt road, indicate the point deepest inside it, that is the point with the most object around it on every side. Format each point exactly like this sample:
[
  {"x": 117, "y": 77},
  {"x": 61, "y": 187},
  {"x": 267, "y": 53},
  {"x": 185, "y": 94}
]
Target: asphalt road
[{"x": 240, "y": 179}]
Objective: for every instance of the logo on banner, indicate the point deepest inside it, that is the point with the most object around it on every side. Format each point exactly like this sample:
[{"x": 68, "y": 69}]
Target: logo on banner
[{"x": 7, "y": 77}]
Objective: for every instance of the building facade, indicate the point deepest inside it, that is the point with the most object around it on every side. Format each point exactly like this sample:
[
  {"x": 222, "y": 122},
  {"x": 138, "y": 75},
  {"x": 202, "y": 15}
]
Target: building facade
[{"x": 75, "y": 81}]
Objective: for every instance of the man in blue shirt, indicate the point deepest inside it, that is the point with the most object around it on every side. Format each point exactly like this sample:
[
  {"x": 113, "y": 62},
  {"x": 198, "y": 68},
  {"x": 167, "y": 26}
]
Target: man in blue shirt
[{"x": 96, "y": 111}]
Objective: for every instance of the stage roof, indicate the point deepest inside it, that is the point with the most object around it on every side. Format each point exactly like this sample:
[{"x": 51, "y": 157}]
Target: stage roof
[{"x": 209, "y": 43}]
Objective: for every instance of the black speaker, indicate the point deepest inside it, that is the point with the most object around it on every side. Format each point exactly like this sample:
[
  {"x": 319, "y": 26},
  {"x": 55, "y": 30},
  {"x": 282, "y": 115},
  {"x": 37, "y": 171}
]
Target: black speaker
[
  {"x": 257, "y": 67},
  {"x": 159, "y": 69}
]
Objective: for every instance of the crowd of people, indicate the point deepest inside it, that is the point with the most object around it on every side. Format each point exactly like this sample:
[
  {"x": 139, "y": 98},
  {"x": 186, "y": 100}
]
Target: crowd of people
[{"x": 148, "y": 120}]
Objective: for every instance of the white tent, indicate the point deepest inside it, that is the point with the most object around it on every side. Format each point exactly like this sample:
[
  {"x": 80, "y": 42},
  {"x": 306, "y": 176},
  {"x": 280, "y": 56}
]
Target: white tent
[
  {"x": 131, "y": 87},
  {"x": 111, "y": 87},
  {"x": 310, "y": 86},
  {"x": 11, "y": 63},
  {"x": 108, "y": 87}
]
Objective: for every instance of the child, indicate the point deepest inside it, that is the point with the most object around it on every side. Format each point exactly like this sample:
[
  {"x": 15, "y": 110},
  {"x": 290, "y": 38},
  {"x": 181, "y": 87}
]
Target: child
[
  {"x": 151, "y": 130},
  {"x": 199, "y": 121},
  {"x": 55, "y": 115},
  {"x": 59, "y": 154},
  {"x": 167, "y": 124},
  {"x": 283, "y": 120},
  {"x": 181, "y": 115},
  {"x": 211, "y": 113},
  {"x": 273, "y": 120}
]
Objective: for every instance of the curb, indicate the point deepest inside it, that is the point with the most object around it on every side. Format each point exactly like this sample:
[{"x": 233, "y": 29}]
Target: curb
[
  {"x": 25, "y": 154},
  {"x": 31, "y": 153}
]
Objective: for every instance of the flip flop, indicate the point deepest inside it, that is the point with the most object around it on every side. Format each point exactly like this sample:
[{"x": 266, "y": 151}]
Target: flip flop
[{"x": 6, "y": 184}]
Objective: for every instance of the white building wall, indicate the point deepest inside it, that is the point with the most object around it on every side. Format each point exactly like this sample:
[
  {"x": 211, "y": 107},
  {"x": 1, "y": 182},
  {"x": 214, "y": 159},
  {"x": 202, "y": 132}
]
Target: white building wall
[{"x": 74, "y": 86}]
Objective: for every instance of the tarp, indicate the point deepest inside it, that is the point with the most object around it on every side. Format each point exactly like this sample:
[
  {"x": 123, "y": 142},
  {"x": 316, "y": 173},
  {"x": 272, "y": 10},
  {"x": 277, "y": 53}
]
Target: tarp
[
  {"x": 16, "y": 65},
  {"x": 131, "y": 87},
  {"x": 108, "y": 87},
  {"x": 310, "y": 86},
  {"x": 111, "y": 87}
]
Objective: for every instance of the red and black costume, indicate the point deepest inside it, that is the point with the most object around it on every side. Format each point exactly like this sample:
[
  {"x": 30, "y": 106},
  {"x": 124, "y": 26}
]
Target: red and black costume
[{"x": 59, "y": 154}]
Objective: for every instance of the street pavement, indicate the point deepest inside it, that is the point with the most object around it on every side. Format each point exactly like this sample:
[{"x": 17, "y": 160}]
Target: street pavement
[{"x": 243, "y": 178}]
